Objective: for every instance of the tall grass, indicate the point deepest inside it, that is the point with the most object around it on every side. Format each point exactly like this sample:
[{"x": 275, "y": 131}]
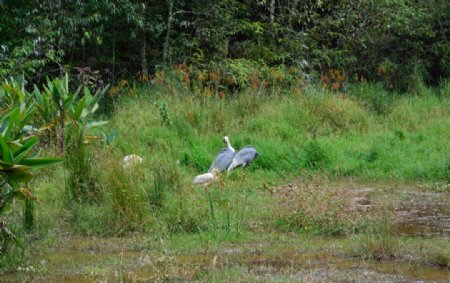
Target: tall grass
[
  {"x": 342, "y": 135},
  {"x": 81, "y": 185},
  {"x": 379, "y": 241},
  {"x": 365, "y": 133}
]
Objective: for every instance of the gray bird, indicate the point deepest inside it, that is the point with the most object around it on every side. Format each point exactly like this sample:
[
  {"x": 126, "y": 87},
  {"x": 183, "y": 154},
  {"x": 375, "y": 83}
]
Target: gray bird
[
  {"x": 224, "y": 158},
  {"x": 244, "y": 157}
]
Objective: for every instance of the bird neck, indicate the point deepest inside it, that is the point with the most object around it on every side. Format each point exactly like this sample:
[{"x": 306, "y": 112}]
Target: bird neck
[{"x": 230, "y": 147}]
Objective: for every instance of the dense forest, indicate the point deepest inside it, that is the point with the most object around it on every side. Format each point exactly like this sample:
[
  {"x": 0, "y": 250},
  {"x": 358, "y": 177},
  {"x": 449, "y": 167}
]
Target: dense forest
[{"x": 397, "y": 42}]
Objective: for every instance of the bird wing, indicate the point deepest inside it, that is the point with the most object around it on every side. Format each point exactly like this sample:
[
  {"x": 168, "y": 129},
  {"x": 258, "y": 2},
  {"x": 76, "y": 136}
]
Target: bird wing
[
  {"x": 245, "y": 156},
  {"x": 223, "y": 160}
]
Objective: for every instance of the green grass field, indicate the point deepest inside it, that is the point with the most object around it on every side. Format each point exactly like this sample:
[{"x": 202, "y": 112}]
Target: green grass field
[
  {"x": 315, "y": 135},
  {"x": 313, "y": 140}
]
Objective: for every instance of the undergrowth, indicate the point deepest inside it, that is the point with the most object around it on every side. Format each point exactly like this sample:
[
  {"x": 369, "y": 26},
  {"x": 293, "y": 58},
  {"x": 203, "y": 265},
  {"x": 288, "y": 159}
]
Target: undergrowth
[{"x": 365, "y": 133}]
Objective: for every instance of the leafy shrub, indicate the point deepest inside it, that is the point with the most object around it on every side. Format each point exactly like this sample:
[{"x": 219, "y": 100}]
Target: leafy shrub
[
  {"x": 373, "y": 97},
  {"x": 17, "y": 158}
]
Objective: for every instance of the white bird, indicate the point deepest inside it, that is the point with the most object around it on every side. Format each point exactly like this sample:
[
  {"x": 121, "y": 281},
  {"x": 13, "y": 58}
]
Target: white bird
[
  {"x": 244, "y": 157},
  {"x": 131, "y": 161},
  {"x": 224, "y": 158},
  {"x": 207, "y": 179}
]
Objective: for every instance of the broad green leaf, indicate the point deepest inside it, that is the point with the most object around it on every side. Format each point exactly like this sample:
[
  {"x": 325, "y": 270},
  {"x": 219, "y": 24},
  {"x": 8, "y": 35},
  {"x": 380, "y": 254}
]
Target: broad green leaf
[
  {"x": 14, "y": 169},
  {"x": 22, "y": 108},
  {"x": 96, "y": 124},
  {"x": 84, "y": 113},
  {"x": 79, "y": 109},
  {"x": 56, "y": 94},
  {"x": 87, "y": 93},
  {"x": 38, "y": 96},
  {"x": 25, "y": 149},
  {"x": 68, "y": 101},
  {"x": 20, "y": 176},
  {"x": 94, "y": 100},
  {"x": 6, "y": 152},
  {"x": 94, "y": 108},
  {"x": 8, "y": 88},
  {"x": 9, "y": 122},
  {"x": 77, "y": 92},
  {"x": 41, "y": 162},
  {"x": 28, "y": 116},
  {"x": 17, "y": 173}
]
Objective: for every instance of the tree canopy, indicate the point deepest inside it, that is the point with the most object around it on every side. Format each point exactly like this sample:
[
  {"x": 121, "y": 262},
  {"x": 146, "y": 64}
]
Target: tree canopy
[{"x": 393, "y": 41}]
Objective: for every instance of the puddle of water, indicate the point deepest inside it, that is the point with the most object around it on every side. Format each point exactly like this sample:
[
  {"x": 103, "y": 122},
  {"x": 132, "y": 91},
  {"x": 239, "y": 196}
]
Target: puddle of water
[
  {"x": 301, "y": 265},
  {"x": 146, "y": 266},
  {"x": 423, "y": 214},
  {"x": 417, "y": 213}
]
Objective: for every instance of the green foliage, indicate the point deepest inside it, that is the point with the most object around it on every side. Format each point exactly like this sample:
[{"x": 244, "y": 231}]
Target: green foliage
[
  {"x": 108, "y": 139},
  {"x": 68, "y": 116},
  {"x": 28, "y": 215},
  {"x": 373, "y": 97},
  {"x": 296, "y": 135},
  {"x": 379, "y": 242},
  {"x": 398, "y": 43},
  {"x": 25, "y": 116},
  {"x": 318, "y": 209},
  {"x": 17, "y": 162},
  {"x": 317, "y": 157},
  {"x": 128, "y": 200},
  {"x": 165, "y": 114},
  {"x": 81, "y": 182},
  {"x": 160, "y": 185}
]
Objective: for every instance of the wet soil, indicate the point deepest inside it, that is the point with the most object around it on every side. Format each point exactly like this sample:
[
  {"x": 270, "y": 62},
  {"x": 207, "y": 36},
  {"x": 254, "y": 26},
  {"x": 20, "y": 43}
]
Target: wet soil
[
  {"x": 423, "y": 214},
  {"x": 285, "y": 263},
  {"x": 416, "y": 214}
]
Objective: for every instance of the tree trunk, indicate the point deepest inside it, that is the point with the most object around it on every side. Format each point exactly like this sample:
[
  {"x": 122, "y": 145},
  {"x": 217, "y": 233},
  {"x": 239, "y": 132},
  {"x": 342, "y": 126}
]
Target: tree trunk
[
  {"x": 169, "y": 26},
  {"x": 143, "y": 56},
  {"x": 272, "y": 11}
]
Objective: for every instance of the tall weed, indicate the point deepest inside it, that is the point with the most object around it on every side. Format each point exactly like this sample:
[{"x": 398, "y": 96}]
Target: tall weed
[
  {"x": 81, "y": 185},
  {"x": 378, "y": 242}
]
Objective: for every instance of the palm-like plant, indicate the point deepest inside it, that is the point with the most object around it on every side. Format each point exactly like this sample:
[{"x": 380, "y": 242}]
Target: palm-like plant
[
  {"x": 16, "y": 160},
  {"x": 24, "y": 116},
  {"x": 58, "y": 107}
]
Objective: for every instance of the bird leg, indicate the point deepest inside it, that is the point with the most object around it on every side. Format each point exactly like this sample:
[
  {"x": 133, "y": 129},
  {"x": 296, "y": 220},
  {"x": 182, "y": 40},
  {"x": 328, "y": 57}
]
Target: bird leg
[{"x": 242, "y": 177}]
